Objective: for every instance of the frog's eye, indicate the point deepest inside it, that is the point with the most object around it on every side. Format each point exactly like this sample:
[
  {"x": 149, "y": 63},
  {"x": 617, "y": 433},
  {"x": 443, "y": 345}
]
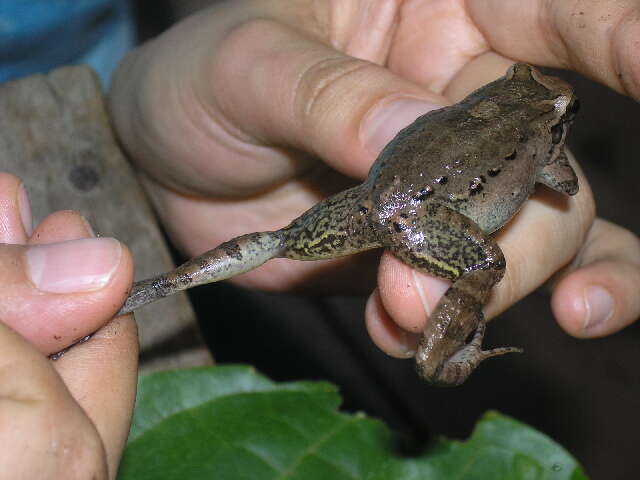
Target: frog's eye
[{"x": 572, "y": 109}]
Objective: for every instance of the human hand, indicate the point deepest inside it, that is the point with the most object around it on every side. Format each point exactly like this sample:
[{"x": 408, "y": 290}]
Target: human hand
[
  {"x": 68, "y": 418},
  {"x": 226, "y": 112}
]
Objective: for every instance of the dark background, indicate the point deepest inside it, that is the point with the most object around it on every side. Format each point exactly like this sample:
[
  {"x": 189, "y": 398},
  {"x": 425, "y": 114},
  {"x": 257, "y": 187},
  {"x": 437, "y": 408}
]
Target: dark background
[{"x": 583, "y": 393}]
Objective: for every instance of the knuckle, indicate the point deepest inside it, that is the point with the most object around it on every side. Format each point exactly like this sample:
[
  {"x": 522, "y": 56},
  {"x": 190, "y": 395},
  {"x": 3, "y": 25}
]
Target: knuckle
[
  {"x": 78, "y": 450},
  {"x": 324, "y": 82},
  {"x": 247, "y": 50},
  {"x": 256, "y": 27},
  {"x": 616, "y": 241}
]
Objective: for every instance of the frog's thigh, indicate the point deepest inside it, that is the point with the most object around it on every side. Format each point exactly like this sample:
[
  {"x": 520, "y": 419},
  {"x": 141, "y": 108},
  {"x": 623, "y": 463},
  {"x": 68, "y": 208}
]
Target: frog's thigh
[
  {"x": 442, "y": 242},
  {"x": 447, "y": 244}
]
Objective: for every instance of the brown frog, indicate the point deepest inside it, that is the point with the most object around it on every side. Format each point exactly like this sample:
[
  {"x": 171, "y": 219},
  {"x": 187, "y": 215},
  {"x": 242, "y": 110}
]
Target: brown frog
[{"x": 433, "y": 197}]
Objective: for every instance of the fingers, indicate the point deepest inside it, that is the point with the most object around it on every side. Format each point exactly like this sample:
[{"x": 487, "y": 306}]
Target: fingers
[
  {"x": 398, "y": 311},
  {"x": 62, "y": 286},
  {"x": 57, "y": 284},
  {"x": 385, "y": 331},
  {"x": 596, "y": 38},
  {"x": 545, "y": 235},
  {"x": 43, "y": 428},
  {"x": 241, "y": 97},
  {"x": 60, "y": 227},
  {"x": 15, "y": 211},
  {"x": 55, "y": 293},
  {"x": 600, "y": 296},
  {"x": 110, "y": 359},
  {"x": 295, "y": 91}
]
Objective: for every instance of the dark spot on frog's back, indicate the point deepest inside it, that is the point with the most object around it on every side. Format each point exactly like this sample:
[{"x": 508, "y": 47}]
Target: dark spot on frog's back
[
  {"x": 475, "y": 186},
  {"x": 493, "y": 172},
  {"x": 441, "y": 180},
  {"x": 398, "y": 227},
  {"x": 424, "y": 193},
  {"x": 84, "y": 177}
]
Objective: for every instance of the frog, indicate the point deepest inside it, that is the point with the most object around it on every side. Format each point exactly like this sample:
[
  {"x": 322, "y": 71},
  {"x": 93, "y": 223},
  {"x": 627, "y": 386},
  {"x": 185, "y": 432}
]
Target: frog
[{"x": 434, "y": 197}]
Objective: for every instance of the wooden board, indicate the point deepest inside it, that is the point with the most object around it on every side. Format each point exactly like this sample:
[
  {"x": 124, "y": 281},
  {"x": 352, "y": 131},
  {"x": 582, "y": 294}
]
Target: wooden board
[{"x": 55, "y": 135}]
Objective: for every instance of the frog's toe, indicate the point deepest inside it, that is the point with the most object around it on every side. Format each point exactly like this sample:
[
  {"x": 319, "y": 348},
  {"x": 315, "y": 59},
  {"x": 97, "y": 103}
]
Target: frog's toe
[{"x": 457, "y": 368}]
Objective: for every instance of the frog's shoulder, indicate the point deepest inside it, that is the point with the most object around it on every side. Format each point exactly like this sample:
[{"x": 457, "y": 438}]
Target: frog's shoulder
[{"x": 415, "y": 138}]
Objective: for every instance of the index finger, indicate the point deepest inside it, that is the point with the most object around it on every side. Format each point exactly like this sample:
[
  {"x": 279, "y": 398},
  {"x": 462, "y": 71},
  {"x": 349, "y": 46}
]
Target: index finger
[
  {"x": 101, "y": 375},
  {"x": 598, "y": 39}
]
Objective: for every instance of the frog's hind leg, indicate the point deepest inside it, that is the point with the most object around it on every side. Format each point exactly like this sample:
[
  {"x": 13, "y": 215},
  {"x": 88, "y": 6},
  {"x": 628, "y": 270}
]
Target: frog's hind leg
[
  {"x": 334, "y": 227},
  {"x": 457, "y": 368},
  {"x": 445, "y": 243},
  {"x": 238, "y": 255},
  {"x": 339, "y": 225}
]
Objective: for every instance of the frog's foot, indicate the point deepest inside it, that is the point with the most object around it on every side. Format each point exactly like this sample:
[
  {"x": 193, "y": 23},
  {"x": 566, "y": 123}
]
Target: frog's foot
[{"x": 461, "y": 364}]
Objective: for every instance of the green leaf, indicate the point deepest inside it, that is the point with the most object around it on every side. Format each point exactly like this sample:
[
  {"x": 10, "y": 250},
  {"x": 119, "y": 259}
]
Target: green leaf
[{"x": 228, "y": 422}]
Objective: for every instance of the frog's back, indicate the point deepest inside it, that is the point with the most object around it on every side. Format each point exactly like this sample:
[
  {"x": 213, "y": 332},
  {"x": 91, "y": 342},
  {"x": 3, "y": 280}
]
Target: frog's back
[{"x": 475, "y": 157}]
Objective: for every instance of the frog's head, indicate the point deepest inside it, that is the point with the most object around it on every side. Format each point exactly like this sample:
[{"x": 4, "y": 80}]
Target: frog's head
[{"x": 553, "y": 106}]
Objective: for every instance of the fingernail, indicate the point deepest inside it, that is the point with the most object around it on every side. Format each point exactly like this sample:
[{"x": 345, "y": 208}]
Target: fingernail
[
  {"x": 408, "y": 344},
  {"x": 24, "y": 207},
  {"x": 430, "y": 289},
  {"x": 73, "y": 266},
  {"x": 388, "y": 117},
  {"x": 599, "y": 306}
]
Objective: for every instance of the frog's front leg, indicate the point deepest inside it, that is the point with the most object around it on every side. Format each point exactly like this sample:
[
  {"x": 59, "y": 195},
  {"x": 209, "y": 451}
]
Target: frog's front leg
[{"x": 440, "y": 241}]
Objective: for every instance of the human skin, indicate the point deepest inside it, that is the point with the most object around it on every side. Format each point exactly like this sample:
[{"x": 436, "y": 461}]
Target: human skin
[
  {"x": 57, "y": 419},
  {"x": 246, "y": 114}
]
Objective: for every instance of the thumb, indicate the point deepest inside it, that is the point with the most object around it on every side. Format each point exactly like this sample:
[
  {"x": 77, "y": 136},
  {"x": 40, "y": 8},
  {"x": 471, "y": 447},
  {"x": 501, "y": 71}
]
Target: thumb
[
  {"x": 57, "y": 293},
  {"x": 599, "y": 296}
]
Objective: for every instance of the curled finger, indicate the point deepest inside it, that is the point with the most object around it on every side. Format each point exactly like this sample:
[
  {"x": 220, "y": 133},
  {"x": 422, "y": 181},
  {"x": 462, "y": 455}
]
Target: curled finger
[{"x": 599, "y": 295}]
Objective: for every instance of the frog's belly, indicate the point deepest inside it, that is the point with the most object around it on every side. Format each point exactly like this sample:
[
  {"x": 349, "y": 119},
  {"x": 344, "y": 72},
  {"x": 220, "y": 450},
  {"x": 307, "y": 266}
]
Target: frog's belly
[{"x": 493, "y": 210}]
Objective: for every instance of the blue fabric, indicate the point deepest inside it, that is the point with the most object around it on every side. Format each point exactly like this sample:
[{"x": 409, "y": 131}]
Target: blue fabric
[{"x": 38, "y": 35}]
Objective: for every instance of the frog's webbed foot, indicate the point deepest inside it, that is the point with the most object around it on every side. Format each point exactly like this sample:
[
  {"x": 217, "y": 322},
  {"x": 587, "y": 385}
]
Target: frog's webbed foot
[
  {"x": 444, "y": 357},
  {"x": 457, "y": 368}
]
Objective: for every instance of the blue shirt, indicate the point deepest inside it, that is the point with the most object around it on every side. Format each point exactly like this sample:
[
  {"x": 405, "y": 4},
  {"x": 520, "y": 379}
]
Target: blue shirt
[{"x": 39, "y": 35}]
